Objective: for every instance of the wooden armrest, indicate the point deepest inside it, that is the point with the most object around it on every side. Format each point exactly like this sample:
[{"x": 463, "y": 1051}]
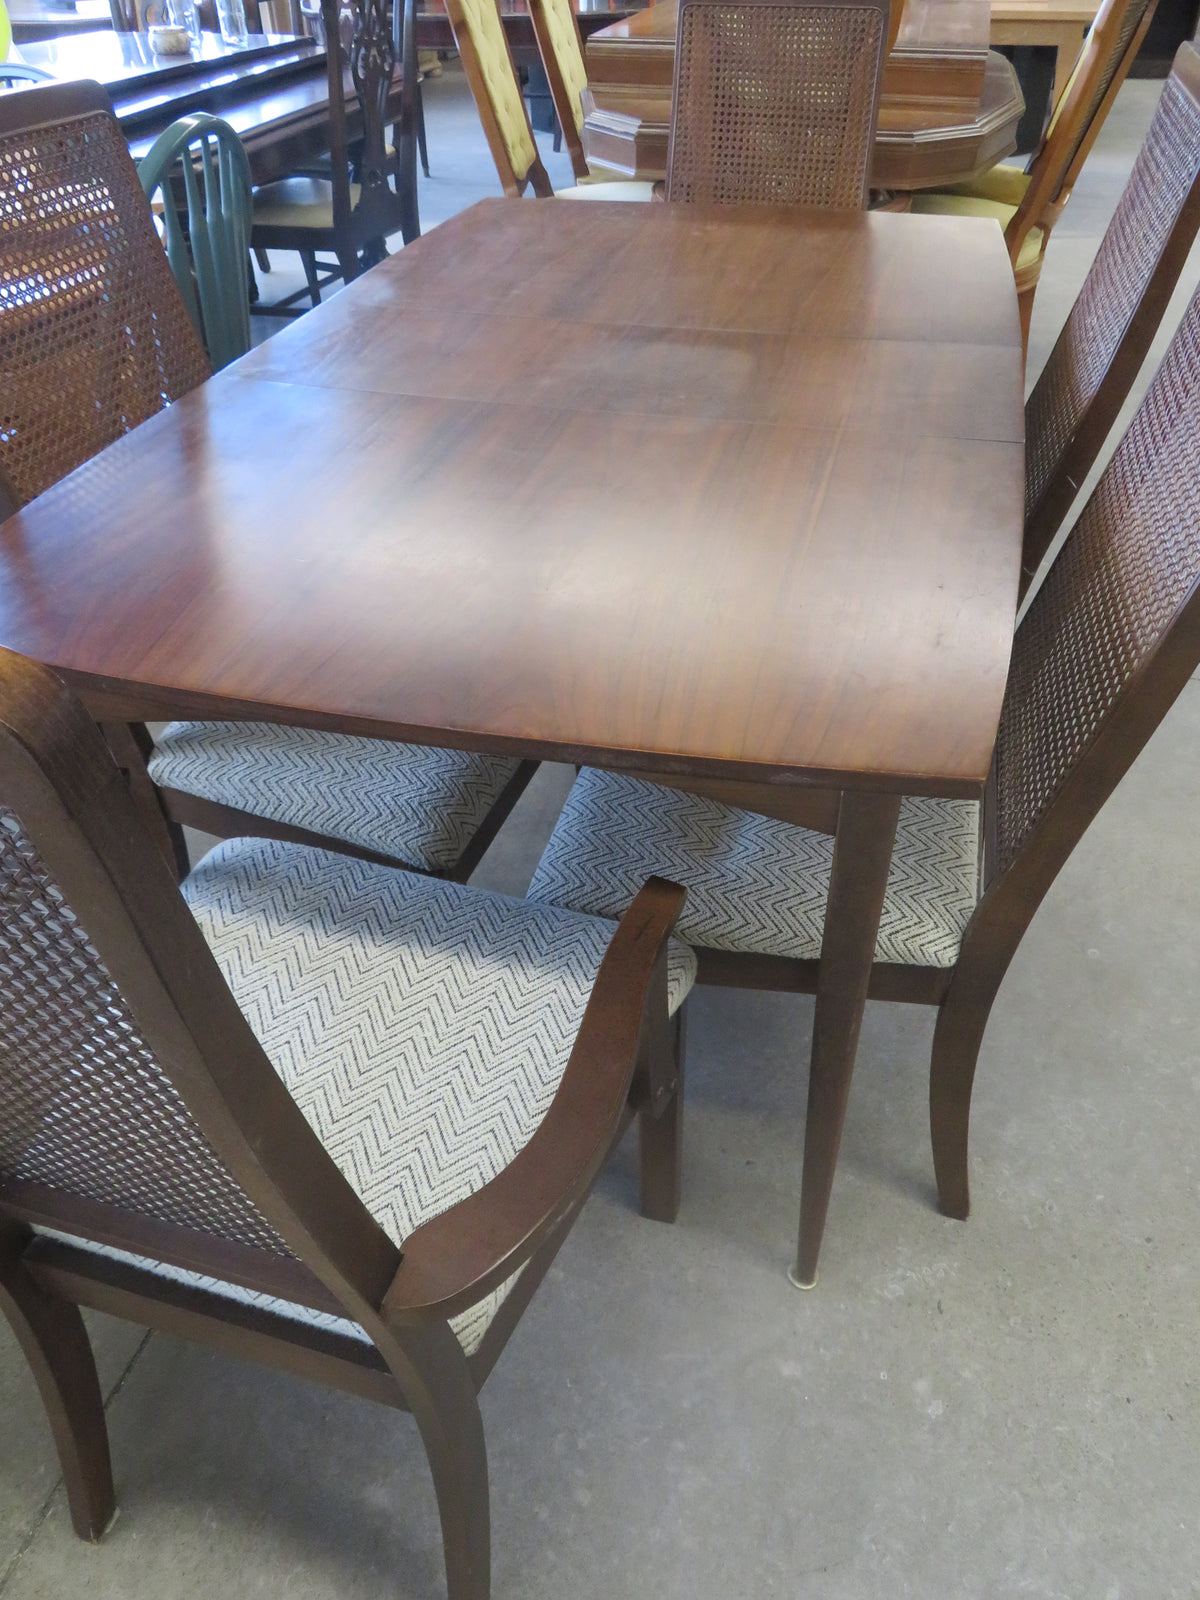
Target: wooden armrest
[{"x": 453, "y": 1260}]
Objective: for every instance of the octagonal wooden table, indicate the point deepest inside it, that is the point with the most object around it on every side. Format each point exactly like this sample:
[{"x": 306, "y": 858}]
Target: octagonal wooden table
[{"x": 730, "y": 499}]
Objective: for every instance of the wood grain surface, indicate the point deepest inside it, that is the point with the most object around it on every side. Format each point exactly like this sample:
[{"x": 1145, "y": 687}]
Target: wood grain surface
[{"x": 735, "y": 496}]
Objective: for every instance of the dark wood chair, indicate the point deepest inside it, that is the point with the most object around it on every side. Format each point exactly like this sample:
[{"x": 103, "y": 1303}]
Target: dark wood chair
[
  {"x": 94, "y": 341},
  {"x": 268, "y": 1169},
  {"x": 1109, "y": 640},
  {"x": 349, "y": 215},
  {"x": 1028, "y": 204},
  {"x": 775, "y": 101},
  {"x": 1104, "y": 341}
]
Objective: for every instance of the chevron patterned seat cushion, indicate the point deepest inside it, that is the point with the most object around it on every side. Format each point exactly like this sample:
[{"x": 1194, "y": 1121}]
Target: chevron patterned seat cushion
[
  {"x": 417, "y": 804},
  {"x": 754, "y": 884},
  {"x": 422, "y": 1027}
]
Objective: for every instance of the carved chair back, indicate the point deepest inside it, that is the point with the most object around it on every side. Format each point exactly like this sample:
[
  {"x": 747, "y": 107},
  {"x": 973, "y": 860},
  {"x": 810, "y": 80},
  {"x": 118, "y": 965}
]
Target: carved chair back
[
  {"x": 492, "y": 74},
  {"x": 136, "y": 1106},
  {"x": 775, "y": 101},
  {"x": 367, "y": 38},
  {"x": 1112, "y": 42},
  {"x": 94, "y": 337},
  {"x": 1104, "y": 340},
  {"x": 561, "y": 49}
]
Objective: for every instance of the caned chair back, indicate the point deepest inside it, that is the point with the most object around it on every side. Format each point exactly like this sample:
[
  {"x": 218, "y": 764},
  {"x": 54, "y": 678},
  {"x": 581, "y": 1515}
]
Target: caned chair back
[
  {"x": 136, "y": 1106},
  {"x": 199, "y": 169},
  {"x": 94, "y": 337},
  {"x": 1112, "y": 42},
  {"x": 1107, "y": 643},
  {"x": 492, "y": 75},
  {"x": 775, "y": 101},
  {"x": 1104, "y": 340},
  {"x": 561, "y": 49}
]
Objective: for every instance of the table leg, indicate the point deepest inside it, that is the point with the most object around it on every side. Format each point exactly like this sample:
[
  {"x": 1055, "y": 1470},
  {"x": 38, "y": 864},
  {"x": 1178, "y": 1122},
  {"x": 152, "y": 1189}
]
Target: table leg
[
  {"x": 1070, "y": 43},
  {"x": 862, "y": 855}
]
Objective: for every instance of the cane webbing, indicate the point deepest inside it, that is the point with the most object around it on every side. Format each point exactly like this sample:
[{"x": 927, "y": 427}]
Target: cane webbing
[{"x": 94, "y": 337}]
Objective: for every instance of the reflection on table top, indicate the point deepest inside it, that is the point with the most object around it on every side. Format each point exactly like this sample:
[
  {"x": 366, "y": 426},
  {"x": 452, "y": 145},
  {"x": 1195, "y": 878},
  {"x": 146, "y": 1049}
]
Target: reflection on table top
[
  {"x": 119, "y": 59},
  {"x": 722, "y": 494}
]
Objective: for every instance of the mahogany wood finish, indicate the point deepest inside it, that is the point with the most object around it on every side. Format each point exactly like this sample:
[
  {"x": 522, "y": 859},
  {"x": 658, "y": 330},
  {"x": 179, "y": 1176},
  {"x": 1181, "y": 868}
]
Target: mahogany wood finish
[
  {"x": 59, "y": 781},
  {"x": 766, "y": 539},
  {"x": 948, "y": 108},
  {"x": 1104, "y": 341},
  {"x": 775, "y": 101}
]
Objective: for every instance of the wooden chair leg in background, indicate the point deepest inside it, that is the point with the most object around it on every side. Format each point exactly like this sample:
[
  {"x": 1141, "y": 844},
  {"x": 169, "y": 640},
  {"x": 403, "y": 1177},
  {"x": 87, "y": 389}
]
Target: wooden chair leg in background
[{"x": 51, "y": 1333}]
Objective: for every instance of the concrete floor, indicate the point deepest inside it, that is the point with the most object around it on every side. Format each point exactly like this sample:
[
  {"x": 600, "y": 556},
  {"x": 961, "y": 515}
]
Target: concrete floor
[{"x": 1007, "y": 1407}]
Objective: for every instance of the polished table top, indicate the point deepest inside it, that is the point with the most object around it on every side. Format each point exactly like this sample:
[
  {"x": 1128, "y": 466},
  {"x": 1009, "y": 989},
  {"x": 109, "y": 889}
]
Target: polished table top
[{"x": 736, "y": 496}]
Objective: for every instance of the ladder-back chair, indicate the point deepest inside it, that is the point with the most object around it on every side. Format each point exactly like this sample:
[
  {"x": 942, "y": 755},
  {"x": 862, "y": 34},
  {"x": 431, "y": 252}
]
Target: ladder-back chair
[
  {"x": 775, "y": 101},
  {"x": 1104, "y": 340},
  {"x": 491, "y": 72},
  {"x": 1027, "y": 205},
  {"x": 94, "y": 339},
  {"x": 224, "y": 1116},
  {"x": 1109, "y": 640}
]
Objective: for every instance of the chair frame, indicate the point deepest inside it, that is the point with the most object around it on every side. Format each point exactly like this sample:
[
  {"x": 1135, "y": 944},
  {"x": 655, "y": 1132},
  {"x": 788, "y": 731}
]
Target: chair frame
[
  {"x": 1125, "y": 359},
  {"x": 358, "y": 232},
  {"x": 536, "y": 178},
  {"x": 20, "y": 72},
  {"x": 1057, "y": 164},
  {"x": 58, "y": 778},
  {"x": 564, "y": 110},
  {"x": 200, "y": 160},
  {"x": 887, "y": 16}
]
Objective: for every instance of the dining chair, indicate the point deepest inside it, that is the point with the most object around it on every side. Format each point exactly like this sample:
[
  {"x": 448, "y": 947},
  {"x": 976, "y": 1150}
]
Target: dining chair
[
  {"x": 95, "y": 339},
  {"x": 1104, "y": 341},
  {"x": 1028, "y": 204},
  {"x": 775, "y": 101},
  {"x": 17, "y": 72},
  {"x": 1108, "y": 641},
  {"x": 200, "y": 176},
  {"x": 491, "y": 72},
  {"x": 238, "y": 1113},
  {"x": 347, "y": 217}
]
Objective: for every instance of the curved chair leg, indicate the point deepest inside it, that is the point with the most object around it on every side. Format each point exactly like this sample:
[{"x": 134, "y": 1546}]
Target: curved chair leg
[
  {"x": 432, "y": 1370},
  {"x": 308, "y": 260},
  {"x": 962, "y": 1020},
  {"x": 51, "y": 1333},
  {"x": 660, "y": 1138}
]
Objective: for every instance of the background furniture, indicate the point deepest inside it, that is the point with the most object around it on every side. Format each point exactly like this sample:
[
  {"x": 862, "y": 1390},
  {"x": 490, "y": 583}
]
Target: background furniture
[
  {"x": 775, "y": 101},
  {"x": 796, "y": 514},
  {"x": 1060, "y": 24},
  {"x": 200, "y": 159},
  {"x": 232, "y": 1170},
  {"x": 947, "y": 108},
  {"x": 95, "y": 344},
  {"x": 1027, "y": 205},
  {"x": 349, "y": 218}
]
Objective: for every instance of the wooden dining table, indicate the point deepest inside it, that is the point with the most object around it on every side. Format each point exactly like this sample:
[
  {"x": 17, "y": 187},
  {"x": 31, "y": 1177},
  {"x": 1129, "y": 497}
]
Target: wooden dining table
[{"x": 731, "y": 499}]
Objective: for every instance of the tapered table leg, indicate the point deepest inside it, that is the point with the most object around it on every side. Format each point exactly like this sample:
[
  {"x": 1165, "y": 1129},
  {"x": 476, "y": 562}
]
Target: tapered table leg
[{"x": 862, "y": 854}]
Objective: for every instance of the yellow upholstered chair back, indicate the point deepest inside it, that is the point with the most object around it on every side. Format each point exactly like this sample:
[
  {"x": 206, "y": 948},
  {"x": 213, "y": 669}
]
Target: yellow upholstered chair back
[
  {"x": 492, "y": 74},
  {"x": 562, "y": 56}
]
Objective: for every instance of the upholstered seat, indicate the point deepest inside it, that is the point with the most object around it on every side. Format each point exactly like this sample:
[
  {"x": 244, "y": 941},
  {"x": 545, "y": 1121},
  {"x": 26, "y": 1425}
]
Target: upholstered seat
[
  {"x": 297, "y": 203},
  {"x": 609, "y": 189},
  {"x": 421, "y": 1027},
  {"x": 757, "y": 885},
  {"x": 416, "y": 804}
]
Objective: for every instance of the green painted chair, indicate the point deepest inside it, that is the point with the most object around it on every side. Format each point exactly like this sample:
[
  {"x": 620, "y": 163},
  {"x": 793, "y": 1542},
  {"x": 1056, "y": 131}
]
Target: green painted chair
[
  {"x": 200, "y": 169},
  {"x": 18, "y": 72}
]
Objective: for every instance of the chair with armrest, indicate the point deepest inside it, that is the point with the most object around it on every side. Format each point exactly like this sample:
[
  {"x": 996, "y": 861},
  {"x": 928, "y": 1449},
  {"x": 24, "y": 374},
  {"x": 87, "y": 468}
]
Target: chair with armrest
[
  {"x": 340, "y": 215},
  {"x": 199, "y": 171},
  {"x": 1028, "y": 204},
  {"x": 223, "y": 1112},
  {"x": 491, "y": 73},
  {"x": 775, "y": 101},
  {"x": 94, "y": 339},
  {"x": 1109, "y": 640}
]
